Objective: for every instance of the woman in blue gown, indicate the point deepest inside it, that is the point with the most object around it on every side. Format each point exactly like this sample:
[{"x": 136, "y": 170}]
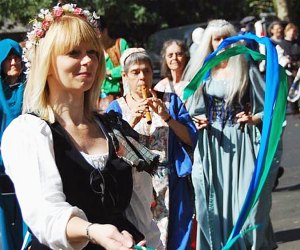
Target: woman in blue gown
[
  {"x": 228, "y": 111},
  {"x": 11, "y": 97}
]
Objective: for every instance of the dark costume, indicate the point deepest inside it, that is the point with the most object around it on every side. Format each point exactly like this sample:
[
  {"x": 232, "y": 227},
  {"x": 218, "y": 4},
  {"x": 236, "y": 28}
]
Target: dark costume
[
  {"x": 11, "y": 98},
  {"x": 102, "y": 194}
]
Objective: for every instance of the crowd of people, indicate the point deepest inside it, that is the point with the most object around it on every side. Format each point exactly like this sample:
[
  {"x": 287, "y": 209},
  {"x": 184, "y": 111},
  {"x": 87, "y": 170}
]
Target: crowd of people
[{"x": 94, "y": 156}]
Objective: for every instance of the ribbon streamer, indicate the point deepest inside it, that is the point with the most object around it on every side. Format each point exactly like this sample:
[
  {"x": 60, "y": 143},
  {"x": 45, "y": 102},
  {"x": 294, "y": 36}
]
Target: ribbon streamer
[{"x": 274, "y": 116}]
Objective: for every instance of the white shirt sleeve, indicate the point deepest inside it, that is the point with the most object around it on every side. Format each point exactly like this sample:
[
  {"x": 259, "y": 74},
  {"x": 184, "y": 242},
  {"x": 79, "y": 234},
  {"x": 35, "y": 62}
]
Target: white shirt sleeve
[
  {"x": 282, "y": 59},
  {"x": 28, "y": 155}
]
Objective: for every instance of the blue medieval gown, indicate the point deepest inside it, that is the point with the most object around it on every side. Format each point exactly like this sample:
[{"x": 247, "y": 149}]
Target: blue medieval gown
[
  {"x": 224, "y": 161},
  {"x": 12, "y": 227}
]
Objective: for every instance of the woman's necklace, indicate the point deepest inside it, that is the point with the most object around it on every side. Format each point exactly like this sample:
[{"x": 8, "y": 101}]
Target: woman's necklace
[{"x": 134, "y": 99}]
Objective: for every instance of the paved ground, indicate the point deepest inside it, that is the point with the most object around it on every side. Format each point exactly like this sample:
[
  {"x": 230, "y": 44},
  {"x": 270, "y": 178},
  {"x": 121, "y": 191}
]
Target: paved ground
[{"x": 286, "y": 199}]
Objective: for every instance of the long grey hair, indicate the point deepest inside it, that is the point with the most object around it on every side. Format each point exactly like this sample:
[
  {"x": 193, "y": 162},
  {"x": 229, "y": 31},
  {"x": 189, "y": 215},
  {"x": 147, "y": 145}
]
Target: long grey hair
[{"x": 236, "y": 64}]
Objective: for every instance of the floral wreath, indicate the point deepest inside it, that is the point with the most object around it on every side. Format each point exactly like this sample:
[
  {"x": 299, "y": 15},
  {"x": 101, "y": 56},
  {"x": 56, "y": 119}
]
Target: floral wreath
[{"x": 44, "y": 20}]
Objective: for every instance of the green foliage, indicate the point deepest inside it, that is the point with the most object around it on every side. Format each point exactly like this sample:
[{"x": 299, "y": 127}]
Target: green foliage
[
  {"x": 21, "y": 10},
  {"x": 135, "y": 20},
  {"x": 258, "y": 6}
]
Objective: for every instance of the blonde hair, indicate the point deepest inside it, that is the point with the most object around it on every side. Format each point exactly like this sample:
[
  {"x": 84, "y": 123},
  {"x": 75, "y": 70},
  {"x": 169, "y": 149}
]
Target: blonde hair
[
  {"x": 64, "y": 34},
  {"x": 237, "y": 64},
  {"x": 290, "y": 26}
]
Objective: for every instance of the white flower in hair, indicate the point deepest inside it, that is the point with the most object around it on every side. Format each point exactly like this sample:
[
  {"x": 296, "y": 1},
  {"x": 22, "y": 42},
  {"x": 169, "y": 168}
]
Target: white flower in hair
[{"x": 42, "y": 23}]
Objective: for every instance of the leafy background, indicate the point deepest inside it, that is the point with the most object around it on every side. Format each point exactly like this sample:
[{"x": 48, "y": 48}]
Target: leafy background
[{"x": 137, "y": 19}]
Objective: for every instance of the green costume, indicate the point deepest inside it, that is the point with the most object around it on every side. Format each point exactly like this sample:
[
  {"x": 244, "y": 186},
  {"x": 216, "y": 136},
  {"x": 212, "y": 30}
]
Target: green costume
[{"x": 111, "y": 84}]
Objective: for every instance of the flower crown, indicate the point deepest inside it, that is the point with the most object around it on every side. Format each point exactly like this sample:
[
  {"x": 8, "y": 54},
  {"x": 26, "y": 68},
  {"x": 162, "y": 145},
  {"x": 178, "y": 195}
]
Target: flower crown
[{"x": 43, "y": 21}]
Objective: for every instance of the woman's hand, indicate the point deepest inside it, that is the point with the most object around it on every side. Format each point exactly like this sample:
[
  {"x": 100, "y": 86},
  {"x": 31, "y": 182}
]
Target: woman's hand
[
  {"x": 244, "y": 117},
  {"x": 200, "y": 121},
  {"x": 180, "y": 130},
  {"x": 158, "y": 106},
  {"x": 110, "y": 238},
  {"x": 138, "y": 112},
  {"x": 141, "y": 244}
]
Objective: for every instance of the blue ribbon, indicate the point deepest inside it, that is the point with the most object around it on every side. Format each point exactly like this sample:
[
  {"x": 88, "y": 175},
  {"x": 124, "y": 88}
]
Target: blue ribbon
[
  {"x": 272, "y": 83},
  {"x": 274, "y": 115}
]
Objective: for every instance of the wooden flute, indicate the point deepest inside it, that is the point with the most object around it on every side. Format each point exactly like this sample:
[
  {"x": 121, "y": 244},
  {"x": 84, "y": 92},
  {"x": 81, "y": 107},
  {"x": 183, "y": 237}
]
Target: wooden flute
[{"x": 147, "y": 112}]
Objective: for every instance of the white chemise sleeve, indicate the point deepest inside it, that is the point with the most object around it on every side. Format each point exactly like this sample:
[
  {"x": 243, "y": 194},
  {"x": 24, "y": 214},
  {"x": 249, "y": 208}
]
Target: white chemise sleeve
[{"x": 28, "y": 155}]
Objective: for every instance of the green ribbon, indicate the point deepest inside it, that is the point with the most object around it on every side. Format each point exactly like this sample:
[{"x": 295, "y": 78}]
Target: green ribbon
[
  {"x": 198, "y": 78},
  {"x": 275, "y": 120},
  {"x": 276, "y": 129}
]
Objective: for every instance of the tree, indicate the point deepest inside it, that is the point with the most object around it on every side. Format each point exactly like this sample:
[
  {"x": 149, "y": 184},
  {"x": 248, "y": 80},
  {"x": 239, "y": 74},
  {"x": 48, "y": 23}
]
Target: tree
[
  {"x": 21, "y": 10},
  {"x": 282, "y": 9},
  {"x": 293, "y": 10},
  {"x": 137, "y": 19}
]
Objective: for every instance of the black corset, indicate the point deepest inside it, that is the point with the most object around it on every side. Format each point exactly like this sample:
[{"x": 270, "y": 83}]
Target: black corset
[
  {"x": 102, "y": 195},
  {"x": 217, "y": 111}
]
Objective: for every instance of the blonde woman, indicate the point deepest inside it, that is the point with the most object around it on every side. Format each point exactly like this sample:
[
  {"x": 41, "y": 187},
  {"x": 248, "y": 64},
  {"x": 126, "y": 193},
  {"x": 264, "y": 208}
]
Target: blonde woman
[
  {"x": 77, "y": 188},
  {"x": 228, "y": 109}
]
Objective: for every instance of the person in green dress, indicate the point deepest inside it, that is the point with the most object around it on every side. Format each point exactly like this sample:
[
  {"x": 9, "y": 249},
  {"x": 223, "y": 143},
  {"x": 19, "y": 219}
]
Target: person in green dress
[{"x": 112, "y": 87}]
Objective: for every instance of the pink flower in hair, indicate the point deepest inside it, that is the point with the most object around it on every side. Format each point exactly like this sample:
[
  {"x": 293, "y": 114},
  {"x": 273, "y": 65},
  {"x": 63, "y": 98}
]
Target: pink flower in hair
[
  {"x": 77, "y": 11},
  {"x": 46, "y": 24},
  {"x": 44, "y": 19},
  {"x": 40, "y": 33},
  {"x": 58, "y": 11}
]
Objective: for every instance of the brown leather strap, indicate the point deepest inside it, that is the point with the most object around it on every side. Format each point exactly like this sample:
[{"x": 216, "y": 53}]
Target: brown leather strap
[{"x": 114, "y": 53}]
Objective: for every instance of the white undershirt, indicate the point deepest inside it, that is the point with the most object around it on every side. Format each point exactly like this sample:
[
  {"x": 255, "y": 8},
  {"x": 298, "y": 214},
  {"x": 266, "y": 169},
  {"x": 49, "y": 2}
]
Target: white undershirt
[
  {"x": 28, "y": 155},
  {"x": 97, "y": 161}
]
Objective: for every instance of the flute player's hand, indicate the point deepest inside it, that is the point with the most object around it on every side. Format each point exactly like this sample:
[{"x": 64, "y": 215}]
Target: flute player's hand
[
  {"x": 158, "y": 106},
  {"x": 138, "y": 112}
]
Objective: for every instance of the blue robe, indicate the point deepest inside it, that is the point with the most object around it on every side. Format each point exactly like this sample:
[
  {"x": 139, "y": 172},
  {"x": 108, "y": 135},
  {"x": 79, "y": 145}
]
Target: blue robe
[
  {"x": 224, "y": 161},
  {"x": 181, "y": 194},
  {"x": 12, "y": 227}
]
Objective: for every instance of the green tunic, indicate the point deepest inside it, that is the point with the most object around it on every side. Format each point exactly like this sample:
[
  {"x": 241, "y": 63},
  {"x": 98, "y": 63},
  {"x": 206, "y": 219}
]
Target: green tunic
[{"x": 111, "y": 84}]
